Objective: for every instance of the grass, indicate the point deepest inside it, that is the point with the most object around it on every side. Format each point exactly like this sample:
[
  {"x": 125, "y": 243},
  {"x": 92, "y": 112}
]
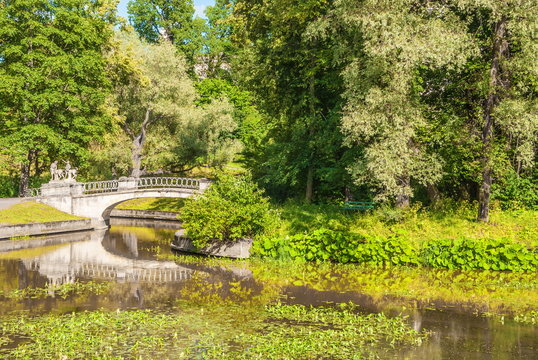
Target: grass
[
  {"x": 417, "y": 224},
  {"x": 32, "y": 213},
  {"x": 156, "y": 204}
]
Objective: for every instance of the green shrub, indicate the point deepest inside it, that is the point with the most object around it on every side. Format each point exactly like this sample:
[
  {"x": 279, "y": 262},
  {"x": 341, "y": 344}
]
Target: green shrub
[
  {"x": 232, "y": 208},
  {"x": 9, "y": 186},
  {"x": 515, "y": 191},
  {"x": 483, "y": 254}
]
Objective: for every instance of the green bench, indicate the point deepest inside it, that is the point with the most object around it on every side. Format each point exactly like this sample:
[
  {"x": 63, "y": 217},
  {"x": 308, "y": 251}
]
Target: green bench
[{"x": 358, "y": 205}]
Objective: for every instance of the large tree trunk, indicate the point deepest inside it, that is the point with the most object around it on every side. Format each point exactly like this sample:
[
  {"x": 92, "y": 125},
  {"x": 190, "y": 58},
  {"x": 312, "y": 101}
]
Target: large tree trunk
[
  {"x": 138, "y": 147},
  {"x": 498, "y": 82},
  {"x": 25, "y": 173}
]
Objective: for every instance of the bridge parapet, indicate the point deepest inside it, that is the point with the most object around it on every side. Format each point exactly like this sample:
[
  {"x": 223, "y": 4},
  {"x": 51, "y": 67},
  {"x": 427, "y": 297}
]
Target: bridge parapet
[
  {"x": 96, "y": 199},
  {"x": 63, "y": 188}
]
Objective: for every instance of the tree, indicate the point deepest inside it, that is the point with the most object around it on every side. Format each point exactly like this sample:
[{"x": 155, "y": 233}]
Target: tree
[
  {"x": 383, "y": 112},
  {"x": 158, "y": 110},
  {"x": 156, "y": 94},
  {"x": 218, "y": 49},
  {"x": 53, "y": 79},
  {"x": 172, "y": 20},
  {"x": 205, "y": 137},
  {"x": 419, "y": 66},
  {"x": 509, "y": 102},
  {"x": 297, "y": 87}
]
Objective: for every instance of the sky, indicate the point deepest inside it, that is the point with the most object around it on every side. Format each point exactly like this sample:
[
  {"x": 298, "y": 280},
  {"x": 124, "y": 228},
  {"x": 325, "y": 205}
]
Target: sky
[{"x": 199, "y": 6}]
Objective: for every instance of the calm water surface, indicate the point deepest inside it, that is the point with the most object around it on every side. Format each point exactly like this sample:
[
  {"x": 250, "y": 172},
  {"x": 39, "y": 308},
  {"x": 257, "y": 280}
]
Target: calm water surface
[{"x": 130, "y": 254}]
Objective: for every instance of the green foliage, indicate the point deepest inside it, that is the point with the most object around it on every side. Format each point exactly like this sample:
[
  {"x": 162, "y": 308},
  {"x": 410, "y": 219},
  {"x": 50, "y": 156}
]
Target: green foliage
[
  {"x": 205, "y": 136},
  {"x": 479, "y": 254},
  {"x": 297, "y": 87},
  {"x": 8, "y": 186},
  {"x": 249, "y": 121},
  {"x": 171, "y": 19},
  {"x": 232, "y": 208},
  {"x": 53, "y": 79},
  {"x": 341, "y": 247},
  {"x": 515, "y": 191}
]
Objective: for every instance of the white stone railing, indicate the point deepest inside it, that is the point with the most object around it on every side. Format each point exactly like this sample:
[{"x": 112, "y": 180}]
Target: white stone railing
[
  {"x": 56, "y": 188},
  {"x": 168, "y": 182},
  {"x": 98, "y": 187},
  {"x": 32, "y": 193}
]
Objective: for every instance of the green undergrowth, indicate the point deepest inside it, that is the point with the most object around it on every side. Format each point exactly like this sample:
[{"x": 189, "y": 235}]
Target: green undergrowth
[
  {"x": 344, "y": 247},
  {"x": 271, "y": 332},
  {"x": 449, "y": 220},
  {"x": 443, "y": 237},
  {"x": 155, "y": 204},
  {"x": 32, "y": 212}
]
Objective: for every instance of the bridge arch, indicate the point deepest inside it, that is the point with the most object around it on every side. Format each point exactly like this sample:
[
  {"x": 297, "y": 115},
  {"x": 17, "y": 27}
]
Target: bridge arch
[{"x": 162, "y": 193}]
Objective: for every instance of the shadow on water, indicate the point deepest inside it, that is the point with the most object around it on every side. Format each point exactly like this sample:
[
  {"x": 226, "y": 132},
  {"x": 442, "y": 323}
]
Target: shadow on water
[{"x": 129, "y": 256}]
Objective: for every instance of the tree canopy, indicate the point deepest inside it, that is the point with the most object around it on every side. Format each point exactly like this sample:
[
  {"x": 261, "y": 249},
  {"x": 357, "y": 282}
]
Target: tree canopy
[
  {"x": 391, "y": 101},
  {"x": 54, "y": 79}
]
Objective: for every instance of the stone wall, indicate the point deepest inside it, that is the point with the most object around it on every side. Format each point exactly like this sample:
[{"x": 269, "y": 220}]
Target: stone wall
[
  {"x": 145, "y": 214},
  {"x": 53, "y": 227}
]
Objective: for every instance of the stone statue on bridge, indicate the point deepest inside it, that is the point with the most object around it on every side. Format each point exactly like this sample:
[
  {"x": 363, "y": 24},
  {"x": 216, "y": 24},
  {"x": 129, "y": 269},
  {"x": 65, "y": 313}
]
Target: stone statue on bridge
[{"x": 68, "y": 174}]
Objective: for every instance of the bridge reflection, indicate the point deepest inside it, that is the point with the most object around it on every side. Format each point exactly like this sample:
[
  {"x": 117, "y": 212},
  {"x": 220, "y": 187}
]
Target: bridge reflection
[{"x": 90, "y": 259}]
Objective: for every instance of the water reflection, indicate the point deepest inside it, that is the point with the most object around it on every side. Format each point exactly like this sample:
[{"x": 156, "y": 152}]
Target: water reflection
[
  {"x": 90, "y": 259},
  {"x": 127, "y": 255}
]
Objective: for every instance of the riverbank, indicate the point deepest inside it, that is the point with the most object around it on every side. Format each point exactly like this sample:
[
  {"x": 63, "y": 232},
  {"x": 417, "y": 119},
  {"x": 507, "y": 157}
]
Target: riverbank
[
  {"x": 34, "y": 219},
  {"x": 30, "y": 212},
  {"x": 22, "y": 219}
]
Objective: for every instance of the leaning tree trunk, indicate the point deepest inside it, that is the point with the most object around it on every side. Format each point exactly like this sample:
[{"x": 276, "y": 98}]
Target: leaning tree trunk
[
  {"x": 138, "y": 147},
  {"x": 498, "y": 83}
]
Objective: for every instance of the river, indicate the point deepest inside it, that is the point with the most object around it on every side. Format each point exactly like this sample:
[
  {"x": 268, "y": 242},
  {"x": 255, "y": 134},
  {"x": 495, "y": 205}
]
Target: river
[{"x": 136, "y": 257}]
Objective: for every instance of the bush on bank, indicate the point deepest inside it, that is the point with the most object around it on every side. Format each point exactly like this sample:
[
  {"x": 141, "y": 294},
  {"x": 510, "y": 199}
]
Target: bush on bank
[
  {"x": 231, "y": 209},
  {"x": 345, "y": 247}
]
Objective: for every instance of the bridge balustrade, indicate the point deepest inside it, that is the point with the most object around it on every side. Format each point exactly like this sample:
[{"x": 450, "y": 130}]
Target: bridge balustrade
[
  {"x": 56, "y": 188},
  {"x": 98, "y": 187},
  {"x": 168, "y": 182}
]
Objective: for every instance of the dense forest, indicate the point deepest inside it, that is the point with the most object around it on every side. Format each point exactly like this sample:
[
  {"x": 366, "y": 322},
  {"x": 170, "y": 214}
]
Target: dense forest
[{"x": 388, "y": 101}]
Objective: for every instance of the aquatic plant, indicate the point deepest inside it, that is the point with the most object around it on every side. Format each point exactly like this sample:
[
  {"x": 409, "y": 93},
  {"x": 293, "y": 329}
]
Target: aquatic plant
[
  {"x": 272, "y": 332},
  {"x": 63, "y": 290}
]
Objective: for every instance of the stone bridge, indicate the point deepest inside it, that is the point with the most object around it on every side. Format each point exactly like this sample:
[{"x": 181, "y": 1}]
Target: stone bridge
[{"x": 96, "y": 200}]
